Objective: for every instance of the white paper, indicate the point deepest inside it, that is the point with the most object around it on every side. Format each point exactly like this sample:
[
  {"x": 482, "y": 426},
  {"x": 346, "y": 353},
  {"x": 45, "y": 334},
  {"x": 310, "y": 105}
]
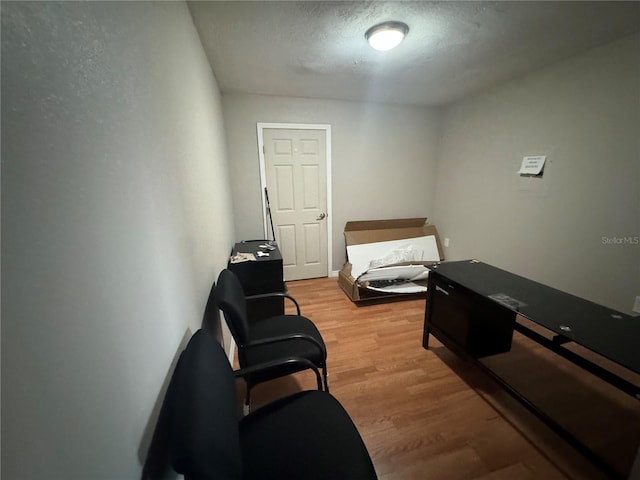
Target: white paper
[
  {"x": 532, "y": 165},
  {"x": 398, "y": 272},
  {"x": 401, "y": 288},
  {"x": 360, "y": 256}
]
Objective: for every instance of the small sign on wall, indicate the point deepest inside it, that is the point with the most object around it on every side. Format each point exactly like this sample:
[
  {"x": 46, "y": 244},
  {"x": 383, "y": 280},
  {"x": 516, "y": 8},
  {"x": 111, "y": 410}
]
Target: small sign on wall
[{"x": 532, "y": 166}]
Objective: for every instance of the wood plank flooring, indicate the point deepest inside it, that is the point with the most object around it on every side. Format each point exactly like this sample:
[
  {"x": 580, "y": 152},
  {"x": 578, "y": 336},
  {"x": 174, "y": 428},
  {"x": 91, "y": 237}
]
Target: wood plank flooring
[{"x": 424, "y": 414}]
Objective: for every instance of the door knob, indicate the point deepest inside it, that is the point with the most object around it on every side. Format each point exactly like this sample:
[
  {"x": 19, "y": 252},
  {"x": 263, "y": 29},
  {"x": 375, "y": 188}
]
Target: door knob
[{"x": 321, "y": 216}]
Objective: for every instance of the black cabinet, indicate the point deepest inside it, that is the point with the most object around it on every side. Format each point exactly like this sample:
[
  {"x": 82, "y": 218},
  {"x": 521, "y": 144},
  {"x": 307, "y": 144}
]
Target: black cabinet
[
  {"x": 264, "y": 275},
  {"x": 465, "y": 321}
]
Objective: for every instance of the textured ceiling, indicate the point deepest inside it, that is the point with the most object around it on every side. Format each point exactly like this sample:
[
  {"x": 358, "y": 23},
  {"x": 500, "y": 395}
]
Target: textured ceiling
[{"x": 454, "y": 48}]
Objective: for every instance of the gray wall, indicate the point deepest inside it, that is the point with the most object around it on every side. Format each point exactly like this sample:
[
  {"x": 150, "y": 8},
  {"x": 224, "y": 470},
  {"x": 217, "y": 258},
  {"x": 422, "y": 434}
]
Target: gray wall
[
  {"x": 584, "y": 114},
  {"x": 116, "y": 218},
  {"x": 383, "y": 159}
]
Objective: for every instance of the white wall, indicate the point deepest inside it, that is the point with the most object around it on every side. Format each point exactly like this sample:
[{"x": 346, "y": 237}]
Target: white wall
[
  {"x": 383, "y": 159},
  {"x": 116, "y": 218},
  {"x": 584, "y": 113}
]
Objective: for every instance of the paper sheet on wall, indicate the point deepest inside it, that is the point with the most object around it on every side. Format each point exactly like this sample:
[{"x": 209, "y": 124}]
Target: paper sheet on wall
[{"x": 532, "y": 165}]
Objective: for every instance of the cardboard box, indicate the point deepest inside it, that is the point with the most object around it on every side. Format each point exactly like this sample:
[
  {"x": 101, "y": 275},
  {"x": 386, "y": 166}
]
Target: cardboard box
[{"x": 372, "y": 231}]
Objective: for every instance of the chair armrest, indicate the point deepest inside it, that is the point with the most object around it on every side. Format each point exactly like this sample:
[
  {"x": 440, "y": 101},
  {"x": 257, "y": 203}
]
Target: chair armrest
[
  {"x": 275, "y": 294},
  {"x": 275, "y": 364},
  {"x": 285, "y": 338}
]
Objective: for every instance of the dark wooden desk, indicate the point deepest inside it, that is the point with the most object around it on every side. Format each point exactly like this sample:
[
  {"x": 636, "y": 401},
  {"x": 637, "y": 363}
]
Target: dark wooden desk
[
  {"x": 472, "y": 309},
  {"x": 264, "y": 275}
]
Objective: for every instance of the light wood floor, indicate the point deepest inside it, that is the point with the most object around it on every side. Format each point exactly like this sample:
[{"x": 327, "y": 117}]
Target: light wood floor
[{"x": 424, "y": 414}]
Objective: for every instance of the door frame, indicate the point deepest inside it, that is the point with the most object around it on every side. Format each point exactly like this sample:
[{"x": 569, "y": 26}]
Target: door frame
[{"x": 261, "y": 126}]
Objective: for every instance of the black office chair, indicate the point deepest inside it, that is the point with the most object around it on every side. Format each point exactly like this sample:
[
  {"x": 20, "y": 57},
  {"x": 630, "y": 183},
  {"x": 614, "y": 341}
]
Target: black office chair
[
  {"x": 268, "y": 339},
  {"x": 306, "y": 436}
]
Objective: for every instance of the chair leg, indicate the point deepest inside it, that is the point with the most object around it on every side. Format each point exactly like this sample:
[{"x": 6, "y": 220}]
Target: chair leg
[
  {"x": 326, "y": 380},
  {"x": 246, "y": 408}
]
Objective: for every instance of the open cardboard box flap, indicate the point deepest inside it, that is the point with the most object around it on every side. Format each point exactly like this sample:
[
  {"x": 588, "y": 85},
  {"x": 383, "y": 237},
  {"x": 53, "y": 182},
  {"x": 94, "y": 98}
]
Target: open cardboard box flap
[{"x": 372, "y": 231}]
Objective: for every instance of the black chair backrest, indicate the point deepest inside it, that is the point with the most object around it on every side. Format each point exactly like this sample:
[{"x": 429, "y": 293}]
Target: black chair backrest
[
  {"x": 230, "y": 298},
  {"x": 204, "y": 439}
]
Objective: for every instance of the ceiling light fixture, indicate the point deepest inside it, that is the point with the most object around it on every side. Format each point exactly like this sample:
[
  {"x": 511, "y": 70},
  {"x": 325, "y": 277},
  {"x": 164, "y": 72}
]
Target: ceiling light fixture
[{"x": 386, "y": 35}]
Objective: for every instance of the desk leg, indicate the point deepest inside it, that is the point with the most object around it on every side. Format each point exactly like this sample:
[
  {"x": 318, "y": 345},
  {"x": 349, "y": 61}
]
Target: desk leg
[
  {"x": 427, "y": 314},
  {"x": 425, "y": 337},
  {"x": 635, "y": 469}
]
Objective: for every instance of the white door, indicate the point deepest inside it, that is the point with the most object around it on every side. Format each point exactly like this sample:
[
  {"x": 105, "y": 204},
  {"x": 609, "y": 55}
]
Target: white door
[{"x": 296, "y": 179}]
